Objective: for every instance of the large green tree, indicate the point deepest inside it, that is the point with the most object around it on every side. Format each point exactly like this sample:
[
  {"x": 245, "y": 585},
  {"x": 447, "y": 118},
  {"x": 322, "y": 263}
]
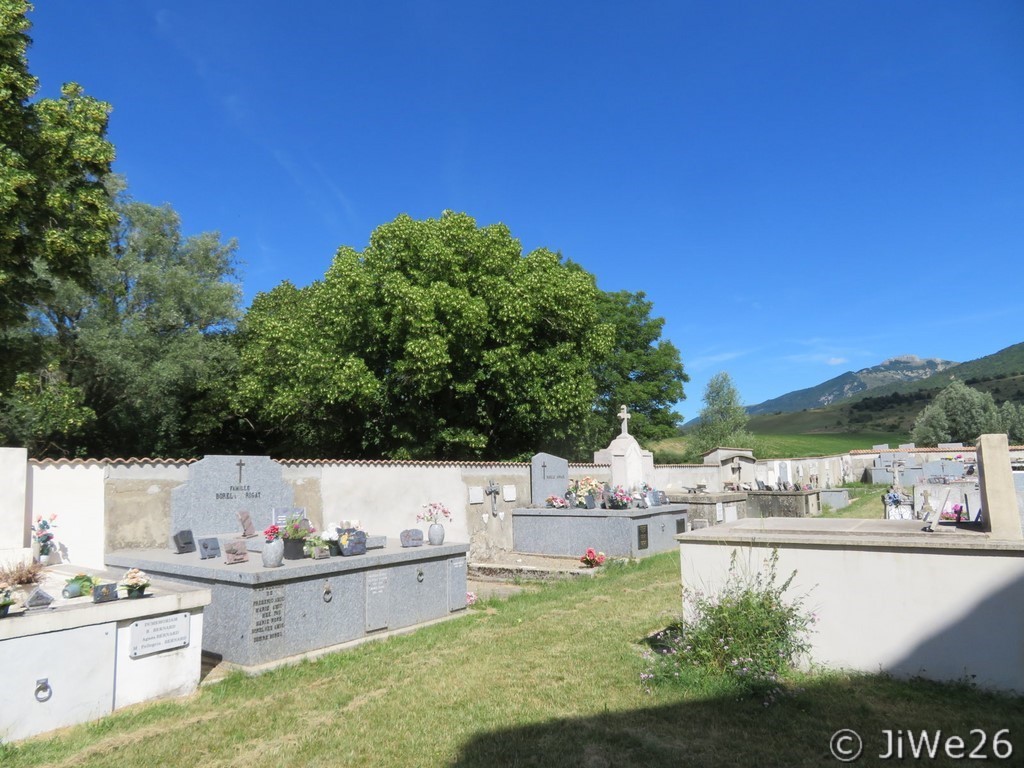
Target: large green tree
[
  {"x": 642, "y": 371},
  {"x": 146, "y": 348},
  {"x": 959, "y": 413},
  {"x": 439, "y": 340},
  {"x": 723, "y": 420},
  {"x": 55, "y": 213}
]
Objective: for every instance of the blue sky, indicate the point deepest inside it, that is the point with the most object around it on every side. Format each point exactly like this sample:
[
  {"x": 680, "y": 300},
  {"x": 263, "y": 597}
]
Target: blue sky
[{"x": 802, "y": 188}]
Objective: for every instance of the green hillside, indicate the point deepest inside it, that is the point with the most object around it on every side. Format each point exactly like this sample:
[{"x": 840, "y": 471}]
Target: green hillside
[
  {"x": 892, "y": 408},
  {"x": 1002, "y": 365}
]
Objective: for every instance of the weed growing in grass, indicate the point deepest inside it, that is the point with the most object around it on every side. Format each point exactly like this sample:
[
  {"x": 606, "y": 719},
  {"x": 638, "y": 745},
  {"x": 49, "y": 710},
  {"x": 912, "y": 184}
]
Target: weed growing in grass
[{"x": 748, "y": 632}]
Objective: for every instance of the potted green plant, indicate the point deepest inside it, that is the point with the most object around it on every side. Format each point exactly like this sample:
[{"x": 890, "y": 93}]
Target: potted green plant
[
  {"x": 294, "y": 532},
  {"x": 78, "y": 585},
  {"x": 6, "y": 600},
  {"x": 135, "y": 582}
]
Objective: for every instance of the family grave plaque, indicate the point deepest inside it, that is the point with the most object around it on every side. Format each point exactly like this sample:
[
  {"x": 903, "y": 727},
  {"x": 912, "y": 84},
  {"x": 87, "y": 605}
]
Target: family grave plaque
[
  {"x": 280, "y": 515},
  {"x": 184, "y": 542},
  {"x": 642, "y": 541},
  {"x": 103, "y": 593},
  {"x": 235, "y": 552},
  {"x": 248, "y": 531},
  {"x": 209, "y": 548},
  {"x": 355, "y": 542},
  {"x": 163, "y": 633},
  {"x": 411, "y": 537}
]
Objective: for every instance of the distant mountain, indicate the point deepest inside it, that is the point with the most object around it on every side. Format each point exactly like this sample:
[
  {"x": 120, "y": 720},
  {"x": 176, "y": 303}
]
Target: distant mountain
[{"x": 891, "y": 374}]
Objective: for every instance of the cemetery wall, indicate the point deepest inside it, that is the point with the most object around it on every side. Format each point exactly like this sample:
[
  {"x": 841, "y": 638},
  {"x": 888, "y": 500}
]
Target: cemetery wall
[
  {"x": 107, "y": 505},
  {"x": 935, "y": 609}
]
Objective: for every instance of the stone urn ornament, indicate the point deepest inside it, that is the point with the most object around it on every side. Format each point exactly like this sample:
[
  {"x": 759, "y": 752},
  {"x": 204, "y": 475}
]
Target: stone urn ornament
[
  {"x": 273, "y": 548},
  {"x": 435, "y": 534}
]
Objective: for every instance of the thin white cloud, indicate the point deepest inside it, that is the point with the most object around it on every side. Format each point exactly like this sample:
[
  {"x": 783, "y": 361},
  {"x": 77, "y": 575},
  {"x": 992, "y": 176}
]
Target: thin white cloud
[
  {"x": 708, "y": 361},
  {"x": 837, "y": 360}
]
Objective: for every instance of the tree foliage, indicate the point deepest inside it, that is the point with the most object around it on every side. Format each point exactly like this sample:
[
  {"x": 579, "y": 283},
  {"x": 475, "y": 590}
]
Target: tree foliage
[
  {"x": 723, "y": 419},
  {"x": 641, "y": 370},
  {"x": 440, "y": 340},
  {"x": 145, "y": 347},
  {"x": 55, "y": 214},
  {"x": 958, "y": 414},
  {"x": 44, "y": 413}
]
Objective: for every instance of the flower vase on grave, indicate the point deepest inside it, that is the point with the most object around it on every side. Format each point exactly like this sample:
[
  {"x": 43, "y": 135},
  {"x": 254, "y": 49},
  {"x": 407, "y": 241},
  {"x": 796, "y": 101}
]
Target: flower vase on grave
[
  {"x": 136, "y": 592},
  {"x": 294, "y": 549},
  {"x": 273, "y": 553},
  {"x": 435, "y": 534}
]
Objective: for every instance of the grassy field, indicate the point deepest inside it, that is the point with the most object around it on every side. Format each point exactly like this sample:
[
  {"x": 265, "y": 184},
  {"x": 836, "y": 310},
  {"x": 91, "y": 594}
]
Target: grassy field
[
  {"x": 792, "y": 446},
  {"x": 546, "y": 678}
]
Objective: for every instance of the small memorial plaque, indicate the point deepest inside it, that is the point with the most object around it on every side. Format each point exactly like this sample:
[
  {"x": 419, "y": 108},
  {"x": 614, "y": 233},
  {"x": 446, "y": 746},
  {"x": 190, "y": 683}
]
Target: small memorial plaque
[
  {"x": 164, "y": 633},
  {"x": 591, "y": 501},
  {"x": 353, "y": 542},
  {"x": 641, "y": 537},
  {"x": 653, "y": 499},
  {"x": 235, "y": 552},
  {"x": 681, "y": 525},
  {"x": 319, "y": 553},
  {"x": 411, "y": 537},
  {"x": 248, "y": 530},
  {"x": 184, "y": 542},
  {"x": 281, "y": 514},
  {"x": 209, "y": 548},
  {"x": 38, "y": 599},
  {"x": 662, "y": 497},
  {"x": 102, "y": 593}
]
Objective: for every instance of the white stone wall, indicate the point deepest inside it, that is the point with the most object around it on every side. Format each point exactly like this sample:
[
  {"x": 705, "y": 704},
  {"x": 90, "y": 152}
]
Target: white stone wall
[
  {"x": 13, "y": 507},
  {"x": 75, "y": 492},
  {"x": 942, "y": 614}
]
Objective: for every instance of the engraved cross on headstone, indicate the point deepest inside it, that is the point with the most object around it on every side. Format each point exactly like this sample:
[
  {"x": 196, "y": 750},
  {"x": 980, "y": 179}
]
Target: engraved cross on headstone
[
  {"x": 240, "y": 464},
  {"x": 625, "y": 416}
]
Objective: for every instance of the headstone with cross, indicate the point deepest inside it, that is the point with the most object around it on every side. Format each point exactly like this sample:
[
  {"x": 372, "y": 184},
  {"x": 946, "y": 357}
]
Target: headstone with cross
[
  {"x": 549, "y": 476},
  {"x": 222, "y": 491}
]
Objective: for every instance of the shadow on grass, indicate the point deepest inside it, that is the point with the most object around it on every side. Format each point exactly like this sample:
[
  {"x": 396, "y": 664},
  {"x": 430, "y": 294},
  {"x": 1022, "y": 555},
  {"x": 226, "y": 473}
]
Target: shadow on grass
[{"x": 727, "y": 731}]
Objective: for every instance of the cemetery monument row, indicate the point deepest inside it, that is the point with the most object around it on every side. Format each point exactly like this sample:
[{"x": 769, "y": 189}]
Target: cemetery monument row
[
  {"x": 260, "y": 614},
  {"x": 626, "y": 518}
]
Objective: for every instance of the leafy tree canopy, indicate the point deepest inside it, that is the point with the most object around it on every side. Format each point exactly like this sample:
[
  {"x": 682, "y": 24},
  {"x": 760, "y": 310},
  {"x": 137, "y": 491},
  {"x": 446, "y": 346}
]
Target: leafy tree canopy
[
  {"x": 440, "y": 340},
  {"x": 723, "y": 420},
  {"x": 55, "y": 214},
  {"x": 642, "y": 371},
  {"x": 958, "y": 414},
  {"x": 141, "y": 360}
]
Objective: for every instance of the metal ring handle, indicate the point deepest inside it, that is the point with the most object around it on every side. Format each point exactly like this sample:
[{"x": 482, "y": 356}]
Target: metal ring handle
[
  {"x": 419, "y": 576},
  {"x": 328, "y": 595},
  {"x": 43, "y": 690}
]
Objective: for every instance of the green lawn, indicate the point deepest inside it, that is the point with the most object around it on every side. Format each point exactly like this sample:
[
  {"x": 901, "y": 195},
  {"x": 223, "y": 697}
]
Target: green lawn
[{"x": 546, "y": 678}]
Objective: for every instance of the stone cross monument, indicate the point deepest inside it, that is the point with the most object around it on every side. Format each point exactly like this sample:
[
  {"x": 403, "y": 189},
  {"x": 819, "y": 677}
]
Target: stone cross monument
[{"x": 631, "y": 465}]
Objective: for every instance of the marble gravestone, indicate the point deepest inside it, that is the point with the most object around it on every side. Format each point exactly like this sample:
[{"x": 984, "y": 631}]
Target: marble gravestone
[
  {"x": 549, "y": 476},
  {"x": 220, "y": 489}
]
